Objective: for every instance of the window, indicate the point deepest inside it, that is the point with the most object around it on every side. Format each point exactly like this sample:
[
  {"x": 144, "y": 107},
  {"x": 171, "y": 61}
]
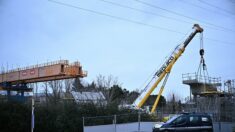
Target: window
[
  {"x": 194, "y": 121},
  {"x": 180, "y": 120},
  {"x": 205, "y": 121},
  {"x": 172, "y": 118}
]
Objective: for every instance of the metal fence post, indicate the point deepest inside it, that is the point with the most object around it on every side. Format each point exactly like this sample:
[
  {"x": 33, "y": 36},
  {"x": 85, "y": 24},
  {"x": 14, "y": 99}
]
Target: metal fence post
[
  {"x": 115, "y": 121},
  {"x": 32, "y": 114},
  {"x": 83, "y": 123},
  {"x": 139, "y": 121}
]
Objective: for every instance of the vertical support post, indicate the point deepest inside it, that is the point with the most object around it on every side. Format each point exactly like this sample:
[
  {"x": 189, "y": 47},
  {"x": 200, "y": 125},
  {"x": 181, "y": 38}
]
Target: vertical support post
[
  {"x": 139, "y": 119},
  {"x": 32, "y": 116},
  {"x": 190, "y": 95},
  {"x": 115, "y": 121},
  {"x": 83, "y": 123},
  {"x": 162, "y": 110},
  {"x": 219, "y": 109}
]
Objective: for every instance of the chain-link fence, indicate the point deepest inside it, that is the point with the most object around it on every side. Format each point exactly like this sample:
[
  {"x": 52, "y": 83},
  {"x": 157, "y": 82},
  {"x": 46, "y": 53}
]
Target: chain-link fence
[
  {"x": 133, "y": 122},
  {"x": 138, "y": 122}
]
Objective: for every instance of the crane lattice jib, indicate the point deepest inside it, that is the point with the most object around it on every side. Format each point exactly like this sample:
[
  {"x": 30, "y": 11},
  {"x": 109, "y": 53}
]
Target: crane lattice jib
[{"x": 165, "y": 68}]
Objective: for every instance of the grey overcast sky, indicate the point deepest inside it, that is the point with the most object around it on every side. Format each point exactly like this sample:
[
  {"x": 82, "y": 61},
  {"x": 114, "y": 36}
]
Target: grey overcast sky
[{"x": 128, "y": 39}]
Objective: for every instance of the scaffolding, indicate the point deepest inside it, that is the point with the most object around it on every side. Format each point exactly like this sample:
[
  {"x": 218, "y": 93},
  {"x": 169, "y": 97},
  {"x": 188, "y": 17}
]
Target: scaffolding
[
  {"x": 220, "y": 108},
  {"x": 209, "y": 97},
  {"x": 202, "y": 85},
  {"x": 229, "y": 86}
]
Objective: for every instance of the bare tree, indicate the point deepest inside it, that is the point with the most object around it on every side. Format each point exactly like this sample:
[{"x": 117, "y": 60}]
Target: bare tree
[
  {"x": 68, "y": 84},
  {"x": 174, "y": 103},
  {"x": 105, "y": 84},
  {"x": 56, "y": 87},
  {"x": 100, "y": 81},
  {"x": 46, "y": 91}
]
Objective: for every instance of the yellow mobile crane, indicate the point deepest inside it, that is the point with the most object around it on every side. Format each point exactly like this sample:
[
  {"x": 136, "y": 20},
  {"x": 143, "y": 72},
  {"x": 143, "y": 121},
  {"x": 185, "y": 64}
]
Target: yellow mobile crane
[{"x": 164, "y": 72}]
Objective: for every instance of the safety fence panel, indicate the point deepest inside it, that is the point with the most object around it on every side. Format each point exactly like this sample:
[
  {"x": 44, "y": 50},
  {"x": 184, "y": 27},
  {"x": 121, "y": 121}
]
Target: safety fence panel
[
  {"x": 131, "y": 122},
  {"x": 99, "y": 124}
]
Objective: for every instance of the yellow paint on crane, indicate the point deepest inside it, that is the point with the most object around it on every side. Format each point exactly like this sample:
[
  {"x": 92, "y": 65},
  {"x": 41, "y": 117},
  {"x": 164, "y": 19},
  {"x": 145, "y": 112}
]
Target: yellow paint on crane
[
  {"x": 168, "y": 69},
  {"x": 165, "y": 69}
]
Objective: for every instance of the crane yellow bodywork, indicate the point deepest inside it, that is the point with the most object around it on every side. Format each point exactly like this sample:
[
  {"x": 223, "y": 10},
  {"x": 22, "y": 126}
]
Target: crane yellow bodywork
[{"x": 164, "y": 72}]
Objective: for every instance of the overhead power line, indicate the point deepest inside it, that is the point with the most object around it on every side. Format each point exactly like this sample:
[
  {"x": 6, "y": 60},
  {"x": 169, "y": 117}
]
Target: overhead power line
[
  {"x": 182, "y": 15},
  {"x": 154, "y": 14},
  {"x": 116, "y": 17},
  {"x": 143, "y": 11},
  {"x": 220, "y": 41},
  {"x": 132, "y": 21},
  {"x": 206, "y": 9},
  {"x": 217, "y": 7}
]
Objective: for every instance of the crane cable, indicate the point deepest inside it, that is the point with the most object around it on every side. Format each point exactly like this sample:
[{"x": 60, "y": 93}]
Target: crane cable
[
  {"x": 202, "y": 73},
  {"x": 202, "y": 66}
]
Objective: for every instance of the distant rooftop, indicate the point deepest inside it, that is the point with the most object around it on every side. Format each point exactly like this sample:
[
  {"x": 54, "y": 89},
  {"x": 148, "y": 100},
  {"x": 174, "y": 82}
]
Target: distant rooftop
[{"x": 88, "y": 96}]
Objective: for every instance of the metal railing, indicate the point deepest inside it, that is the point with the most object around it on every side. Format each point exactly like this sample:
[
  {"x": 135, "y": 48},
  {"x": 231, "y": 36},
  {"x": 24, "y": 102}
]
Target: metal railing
[
  {"x": 65, "y": 62},
  {"x": 201, "y": 79}
]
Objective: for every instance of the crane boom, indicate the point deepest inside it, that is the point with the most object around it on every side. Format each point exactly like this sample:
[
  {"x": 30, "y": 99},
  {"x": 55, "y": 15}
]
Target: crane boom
[{"x": 164, "y": 70}]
